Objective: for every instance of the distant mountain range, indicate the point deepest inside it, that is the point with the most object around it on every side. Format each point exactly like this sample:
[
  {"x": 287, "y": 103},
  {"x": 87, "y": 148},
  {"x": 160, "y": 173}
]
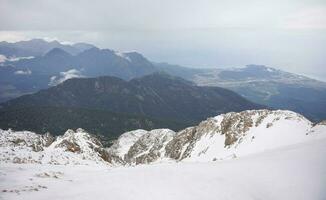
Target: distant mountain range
[
  {"x": 272, "y": 87},
  {"x": 38, "y": 47},
  {"x": 156, "y": 96},
  {"x": 55, "y": 63},
  {"x": 264, "y": 85}
]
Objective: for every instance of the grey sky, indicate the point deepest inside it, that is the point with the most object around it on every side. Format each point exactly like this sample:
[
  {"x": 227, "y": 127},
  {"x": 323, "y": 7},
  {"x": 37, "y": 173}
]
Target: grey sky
[{"x": 286, "y": 34}]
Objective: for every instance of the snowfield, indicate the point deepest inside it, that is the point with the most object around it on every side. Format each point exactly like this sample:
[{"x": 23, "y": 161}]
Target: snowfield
[
  {"x": 293, "y": 172},
  {"x": 250, "y": 155}
]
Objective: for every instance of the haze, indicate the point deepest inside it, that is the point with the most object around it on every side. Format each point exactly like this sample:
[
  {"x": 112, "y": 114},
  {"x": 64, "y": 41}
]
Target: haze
[{"x": 289, "y": 35}]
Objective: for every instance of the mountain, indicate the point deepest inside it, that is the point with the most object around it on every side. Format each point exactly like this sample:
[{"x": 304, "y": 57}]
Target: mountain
[
  {"x": 56, "y": 120},
  {"x": 77, "y": 168},
  {"x": 157, "y": 95},
  {"x": 20, "y": 79},
  {"x": 73, "y": 147},
  {"x": 263, "y": 85},
  {"x": 91, "y": 62},
  {"x": 257, "y": 83},
  {"x": 15, "y": 82},
  {"x": 225, "y": 136},
  {"x": 98, "y": 62},
  {"x": 38, "y": 47},
  {"x": 234, "y": 155},
  {"x": 57, "y": 65}
]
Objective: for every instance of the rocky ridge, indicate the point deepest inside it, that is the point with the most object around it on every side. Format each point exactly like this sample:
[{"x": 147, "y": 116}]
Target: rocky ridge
[
  {"x": 74, "y": 147},
  {"x": 225, "y": 136}
]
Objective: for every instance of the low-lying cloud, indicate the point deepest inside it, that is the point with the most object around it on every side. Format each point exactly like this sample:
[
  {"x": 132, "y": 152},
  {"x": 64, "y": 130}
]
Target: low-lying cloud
[
  {"x": 23, "y": 72},
  {"x": 72, "y": 73}
]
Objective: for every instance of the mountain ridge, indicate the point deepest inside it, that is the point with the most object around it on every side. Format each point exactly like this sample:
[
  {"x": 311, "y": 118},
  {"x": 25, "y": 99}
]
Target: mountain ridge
[
  {"x": 260, "y": 84},
  {"x": 156, "y": 95},
  {"x": 223, "y": 137}
]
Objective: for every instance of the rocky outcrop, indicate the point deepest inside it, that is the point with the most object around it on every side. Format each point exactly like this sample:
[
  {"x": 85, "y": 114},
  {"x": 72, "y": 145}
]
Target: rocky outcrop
[
  {"x": 75, "y": 147},
  {"x": 140, "y": 146},
  {"x": 25, "y": 138},
  {"x": 150, "y": 147},
  {"x": 225, "y": 136}
]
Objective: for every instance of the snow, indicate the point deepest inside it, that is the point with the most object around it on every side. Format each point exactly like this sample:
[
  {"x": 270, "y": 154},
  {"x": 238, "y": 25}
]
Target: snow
[
  {"x": 278, "y": 155},
  {"x": 122, "y": 55},
  {"x": 293, "y": 172},
  {"x": 125, "y": 141},
  {"x": 17, "y": 147},
  {"x": 279, "y": 128}
]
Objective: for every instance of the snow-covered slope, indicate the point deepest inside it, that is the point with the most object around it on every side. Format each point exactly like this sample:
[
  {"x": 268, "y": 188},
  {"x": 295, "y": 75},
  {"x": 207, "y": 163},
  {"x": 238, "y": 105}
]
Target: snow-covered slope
[
  {"x": 238, "y": 134},
  {"x": 225, "y": 136},
  {"x": 140, "y": 146},
  {"x": 72, "y": 148},
  {"x": 297, "y": 172},
  {"x": 278, "y": 155}
]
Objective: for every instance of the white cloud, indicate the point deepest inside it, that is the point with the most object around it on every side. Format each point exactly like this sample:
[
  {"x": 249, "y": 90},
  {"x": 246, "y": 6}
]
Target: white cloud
[
  {"x": 19, "y": 58},
  {"x": 72, "y": 73},
  {"x": 308, "y": 18},
  {"x": 287, "y": 34},
  {"x": 3, "y": 58},
  {"x": 147, "y": 14},
  {"x": 23, "y": 72}
]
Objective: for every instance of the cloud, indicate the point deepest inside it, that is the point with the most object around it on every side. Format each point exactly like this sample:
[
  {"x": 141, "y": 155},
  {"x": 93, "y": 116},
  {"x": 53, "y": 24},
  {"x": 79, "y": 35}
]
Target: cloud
[
  {"x": 3, "y": 58},
  {"x": 104, "y": 15},
  {"x": 23, "y": 72},
  {"x": 72, "y": 73},
  {"x": 290, "y": 35},
  {"x": 308, "y": 18}
]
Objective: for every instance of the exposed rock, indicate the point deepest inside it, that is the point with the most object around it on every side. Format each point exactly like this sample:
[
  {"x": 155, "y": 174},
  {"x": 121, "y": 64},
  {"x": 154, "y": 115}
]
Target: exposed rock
[
  {"x": 174, "y": 148},
  {"x": 68, "y": 146},
  {"x": 47, "y": 139},
  {"x": 37, "y": 147},
  {"x": 226, "y": 136},
  {"x": 74, "y": 147},
  {"x": 149, "y": 147},
  {"x": 121, "y": 146}
]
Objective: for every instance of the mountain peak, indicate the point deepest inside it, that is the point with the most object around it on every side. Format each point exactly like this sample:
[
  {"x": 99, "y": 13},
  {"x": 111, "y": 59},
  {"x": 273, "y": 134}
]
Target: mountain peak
[
  {"x": 73, "y": 147},
  {"x": 90, "y": 51},
  {"x": 83, "y": 46},
  {"x": 259, "y": 67},
  {"x": 135, "y": 56},
  {"x": 225, "y": 136},
  {"x": 36, "y": 40},
  {"x": 163, "y": 77},
  {"x": 57, "y": 52}
]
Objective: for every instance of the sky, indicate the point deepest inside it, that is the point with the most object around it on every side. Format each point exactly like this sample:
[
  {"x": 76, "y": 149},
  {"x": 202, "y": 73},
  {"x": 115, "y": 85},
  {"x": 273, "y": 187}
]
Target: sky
[{"x": 285, "y": 34}]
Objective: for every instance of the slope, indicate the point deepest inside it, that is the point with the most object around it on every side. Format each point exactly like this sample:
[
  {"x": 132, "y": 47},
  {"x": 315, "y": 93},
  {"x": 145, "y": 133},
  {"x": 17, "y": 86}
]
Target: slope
[{"x": 157, "y": 95}]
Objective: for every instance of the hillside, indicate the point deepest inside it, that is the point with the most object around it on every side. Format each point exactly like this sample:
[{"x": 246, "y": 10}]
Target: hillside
[
  {"x": 157, "y": 96},
  {"x": 57, "y": 120},
  {"x": 53, "y": 63},
  {"x": 21, "y": 75},
  {"x": 225, "y": 136},
  {"x": 37, "y": 47},
  {"x": 234, "y": 155}
]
